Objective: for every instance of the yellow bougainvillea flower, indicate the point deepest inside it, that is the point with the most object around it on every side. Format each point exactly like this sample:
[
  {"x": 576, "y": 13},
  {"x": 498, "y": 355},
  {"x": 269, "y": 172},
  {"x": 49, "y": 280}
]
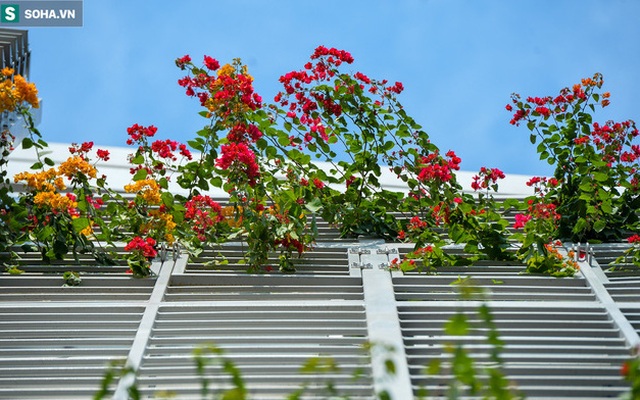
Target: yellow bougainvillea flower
[
  {"x": 148, "y": 189},
  {"x": 15, "y": 90},
  {"x": 75, "y": 165},
  {"x": 41, "y": 180},
  {"x": 87, "y": 231},
  {"x": 54, "y": 200},
  {"x": 26, "y": 91}
]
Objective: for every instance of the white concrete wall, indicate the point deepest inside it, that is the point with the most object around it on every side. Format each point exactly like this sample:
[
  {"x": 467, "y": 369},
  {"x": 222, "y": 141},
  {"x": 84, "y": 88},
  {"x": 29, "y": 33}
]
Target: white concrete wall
[{"x": 117, "y": 171}]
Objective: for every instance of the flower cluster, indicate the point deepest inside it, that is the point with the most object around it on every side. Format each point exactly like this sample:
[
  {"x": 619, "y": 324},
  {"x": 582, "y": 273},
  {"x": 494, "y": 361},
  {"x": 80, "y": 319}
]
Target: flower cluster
[
  {"x": 138, "y": 133},
  {"x": 157, "y": 157},
  {"x": 551, "y": 262},
  {"x": 142, "y": 252},
  {"x": 165, "y": 149},
  {"x": 146, "y": 189},
  {"x": 546, "y": 107},
  {"x": 76, "y": 165},
  {"x": 46, "y": 185},
  {"x": 239, "y": 159},
  {"x": 433, "y": 167},
  {"x": 228, "y": 91},
  {"x": 486, "y": 178},
  {"x": 203, "y": 214},
  {"x": 593, "y": 161},
  {"x": 146, "y": 247},
  {"x": 15, "y": 91}
]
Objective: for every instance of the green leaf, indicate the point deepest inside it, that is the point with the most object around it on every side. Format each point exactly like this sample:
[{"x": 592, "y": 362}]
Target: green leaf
[
  {"x": 284, "y": 140},
  {"x": 27, "y": 143},
  {"x": 49, "y": 161},
  {"x": 390, "y": 367},
  {"x": 140, "y": 175},
  {"x": 60, "y": 248},
  {"x": 216, "y": 181},
  {"x": 599, "y": 225},
  {"x": 138, "y": 159},
  {"x": 601, "y": 176},
  {"x": 196, "y": 144},
  {"x": 314, "y": 205},
  {"x": 80, "y": 223},
  {"x": 457, "y": 325},
  {"x": 580, "y": 226},
  {"x": 37, "y": 165}
]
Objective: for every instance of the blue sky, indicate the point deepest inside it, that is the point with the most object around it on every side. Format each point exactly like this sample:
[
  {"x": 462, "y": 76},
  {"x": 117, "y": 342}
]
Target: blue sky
[{"x": 459, "y": 61}]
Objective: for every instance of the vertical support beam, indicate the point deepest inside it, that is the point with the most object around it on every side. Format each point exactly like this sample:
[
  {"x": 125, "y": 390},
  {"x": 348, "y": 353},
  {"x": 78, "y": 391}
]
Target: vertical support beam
[
  {"x": 627, "y": 331},
  {"x": 383, "y": 325},
  {"x": 136, "y": 353}
]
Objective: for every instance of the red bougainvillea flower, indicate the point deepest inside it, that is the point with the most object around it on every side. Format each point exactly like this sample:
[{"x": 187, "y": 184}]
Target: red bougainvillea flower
[
  {"x": 242, "y": 132},
  {"x": 183, "y": 61},
  {"x": 318, "y": 183},
  {"x": 434, "y": 167},
  {"x": 94, "y": 202},
  {"x": 146, "y": 247},
  {"x": 137, "y": 132},
  {"x": 239, "y": 157},
  {"x": 203, "y": 213},
  {"x": 416, "y": 224},
  {"x": 635, "y": 239},
  {"x": 289, "y": 243},
  {"x": 82, "y": 149},
  {"x": 103, "y": 154},
  {"x": 521, "y": 220},
  {"x": 486, "y": 177},
  {"x": 211, "y": 63}
]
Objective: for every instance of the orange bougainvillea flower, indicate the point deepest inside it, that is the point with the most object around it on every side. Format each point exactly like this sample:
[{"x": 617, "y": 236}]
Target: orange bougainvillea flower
[
  {"x": 148, "y": 189},
  {"x": 15, "y": 90},
  {"x": 74, "y": 165}
]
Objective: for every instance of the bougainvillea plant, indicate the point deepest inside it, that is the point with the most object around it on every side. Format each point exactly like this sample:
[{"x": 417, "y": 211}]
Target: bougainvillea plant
[
  {"x": 596, "y": 164},
  {"x": 264, "y": 156},
  {"x": 536, "y": 230},
  {"x": 269, "y": 205},
  {"x": 61, "y": 205},
  {"x": 16, "y": 96}
]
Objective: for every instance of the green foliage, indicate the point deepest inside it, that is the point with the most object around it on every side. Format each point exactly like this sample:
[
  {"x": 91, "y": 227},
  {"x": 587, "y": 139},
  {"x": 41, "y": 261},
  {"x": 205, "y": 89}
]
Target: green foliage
[
  {"x": 630, "y": 371},
  {"x": 116, "y": 371},
  {"x": 71, "y": 278},
  {"x": 596, "y": 166}
]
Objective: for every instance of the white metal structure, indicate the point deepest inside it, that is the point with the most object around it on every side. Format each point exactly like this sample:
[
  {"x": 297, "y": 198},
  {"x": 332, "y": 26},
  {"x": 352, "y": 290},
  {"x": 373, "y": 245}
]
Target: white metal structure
[{"x": 564, "y": 338}]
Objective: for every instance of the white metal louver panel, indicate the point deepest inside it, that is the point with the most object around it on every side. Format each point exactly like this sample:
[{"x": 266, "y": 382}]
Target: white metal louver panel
[
  {"x": 92, "y": 289},
  {"x": 268, "y": 325},
  {"x": 262, "y": 288},
  {"x": 551, "y": 351},
  {"x": 61, "y": 351},
  {"x": 31, "y": 262},
  {"x": 622, "y": 279},
  {"x": 267, "y": 340},
  {"x": 497, "y": 287},
  {"x": 323, "y": 259},
  {"x": 560, "y": 342},
  {"x": 56, "y": 341}
]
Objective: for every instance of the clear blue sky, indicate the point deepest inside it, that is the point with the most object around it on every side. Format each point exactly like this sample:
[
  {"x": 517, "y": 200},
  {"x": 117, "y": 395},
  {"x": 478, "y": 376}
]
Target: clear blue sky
[{"x": 459, "y": 61}]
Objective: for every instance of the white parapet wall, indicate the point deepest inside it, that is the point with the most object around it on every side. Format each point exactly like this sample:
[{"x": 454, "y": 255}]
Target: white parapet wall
[{"x": 117, "y": 172}]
